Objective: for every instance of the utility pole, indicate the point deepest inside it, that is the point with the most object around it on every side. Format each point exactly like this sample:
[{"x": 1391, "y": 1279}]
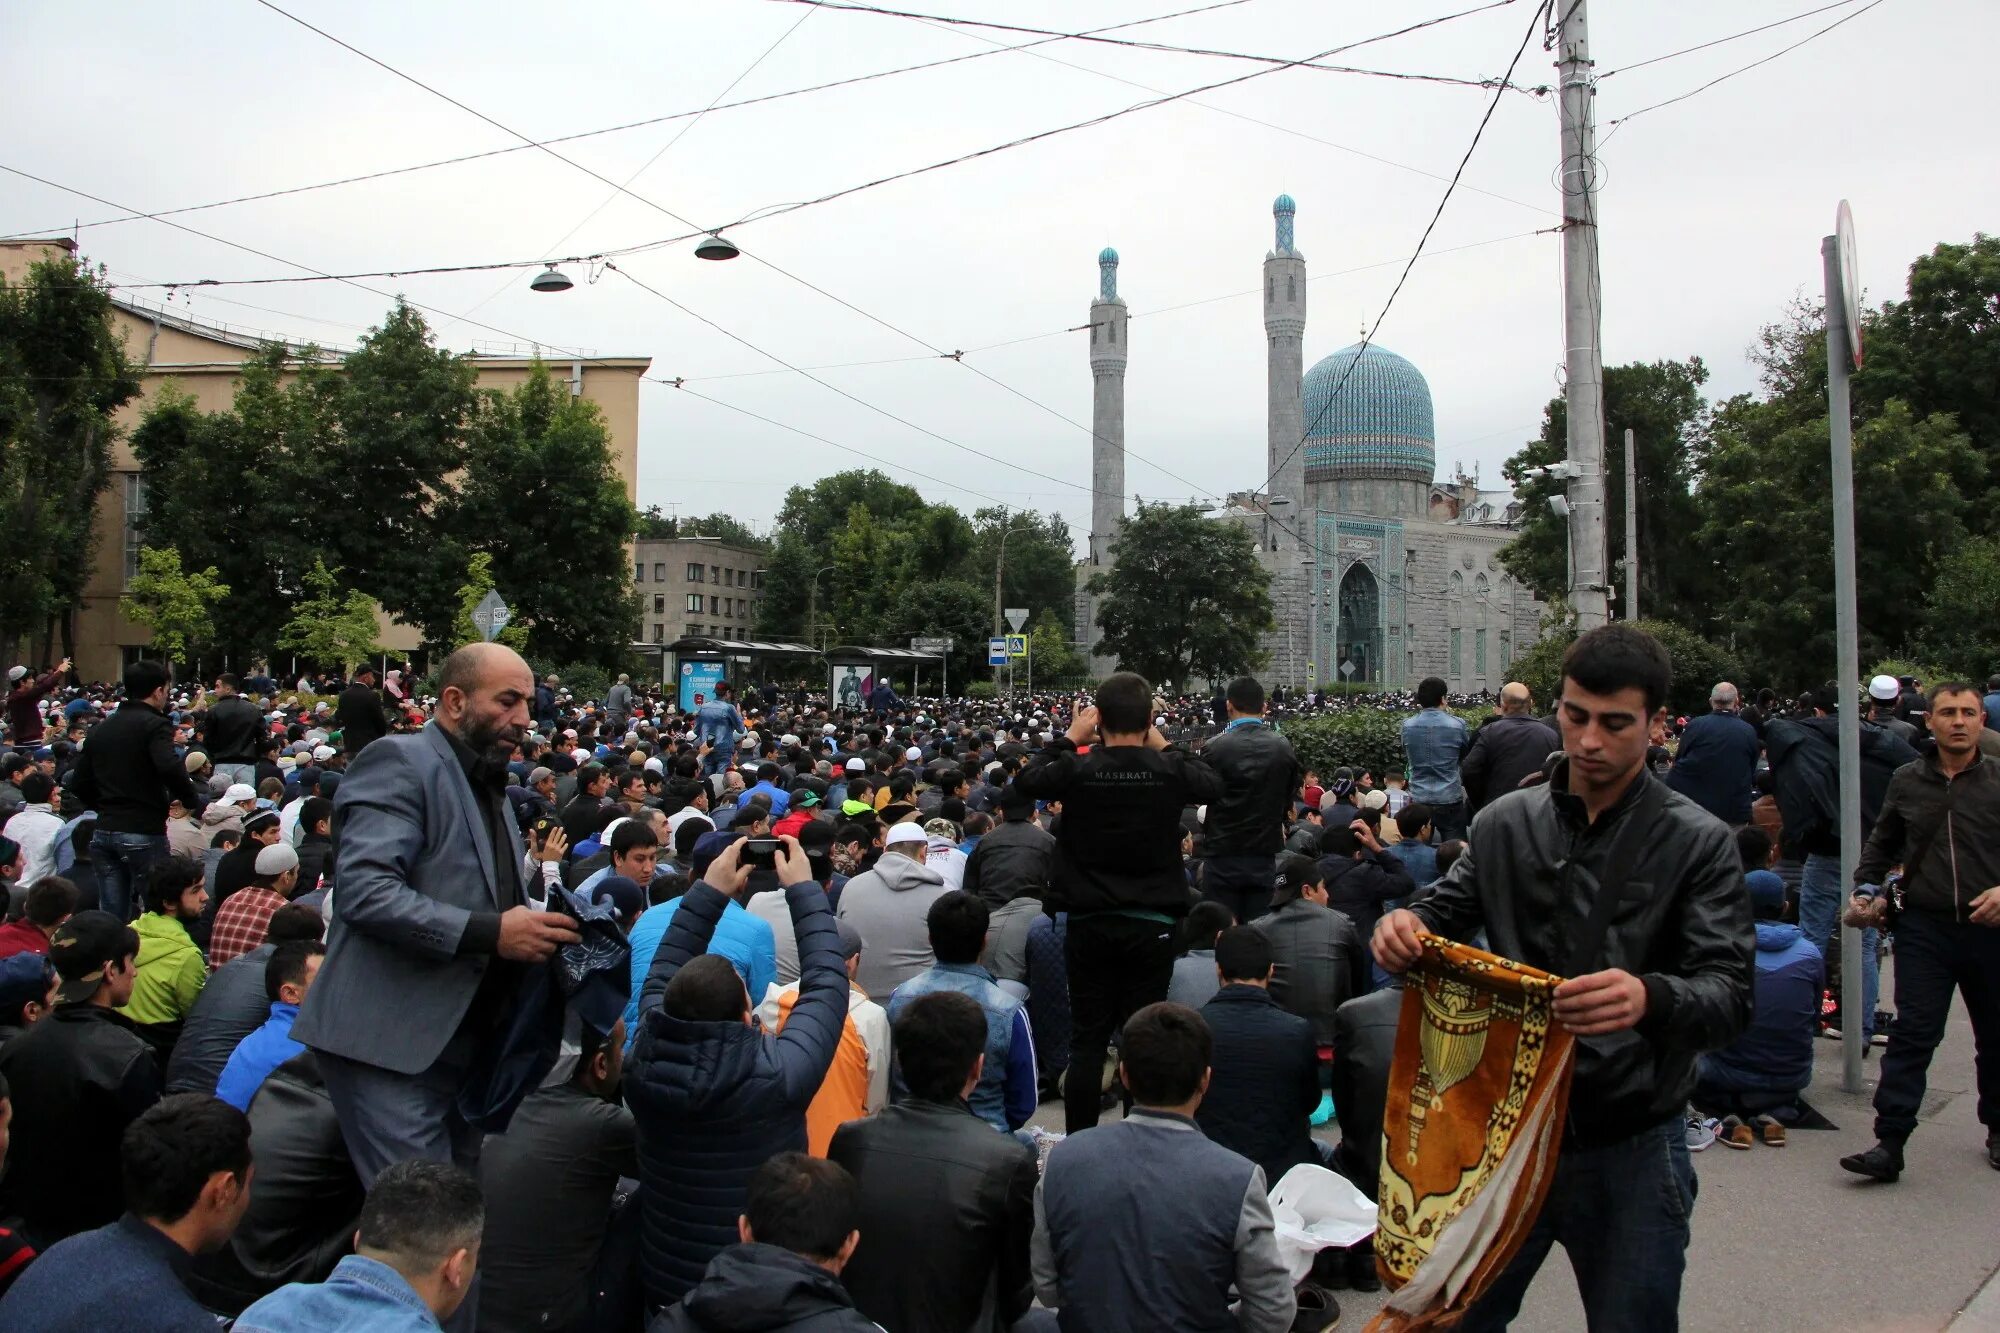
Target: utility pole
[
  {"x": 1631, "y": 528},
  {"x": 1840, "y": 356},
  {"x": 1582, "y": 299}
]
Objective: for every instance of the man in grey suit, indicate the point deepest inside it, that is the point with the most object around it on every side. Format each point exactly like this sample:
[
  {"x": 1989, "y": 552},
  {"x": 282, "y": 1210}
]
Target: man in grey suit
[{"x": 430, "y": 926}]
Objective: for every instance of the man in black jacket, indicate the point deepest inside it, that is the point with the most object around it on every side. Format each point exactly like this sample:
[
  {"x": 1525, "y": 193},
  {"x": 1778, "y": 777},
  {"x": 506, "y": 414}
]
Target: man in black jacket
[
  {"x": 1015, "y": 857},
  {"x": 1260, "y": 773},
  {"x": 1668, "y": 977},
  {"x": 231, "y": 731},
  {"x": 1361, "y": 875},
  {"x": 1319, "y": 959},
  {"x": 1264, "y": 1071},
  {"x": 128, "y": 773},
  {"x": 1118, "y": 867},
  {"x": 937, "y": 1181},
  {"x": 1506, "y": 749},
  {"x": 359, "y": 712}
]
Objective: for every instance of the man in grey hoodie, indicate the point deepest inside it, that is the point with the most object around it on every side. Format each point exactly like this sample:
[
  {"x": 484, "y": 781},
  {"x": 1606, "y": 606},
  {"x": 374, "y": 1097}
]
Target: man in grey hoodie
[{"x": 889, "y": 906}]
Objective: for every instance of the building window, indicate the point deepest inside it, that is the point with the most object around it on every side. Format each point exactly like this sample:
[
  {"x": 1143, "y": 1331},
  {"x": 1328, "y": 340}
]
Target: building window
[
  {"x": 728, "y": 578},
  {"x": 659, "y": 603},
  {"x": 639, "y": 572},
  {"x": 756, "y": 578},
  {"x": 1291, "y": 288},
  {"x": 135, "y": 518},
  {"x": 660, "y": 572},
  {"x": 694, "y": 602},
  {"x": 659, "y": 633},
  {"x": 1457, "y": 653},
  {"x": 1506, "y": 650},
  {"x": 693, "y": 630},
  {"x": 715, "y": 606},
  {"x": 696, "y": 573},
  {"x": 1479, "y": 652},
  {"x": 715, "y": 573},
  {"x": 739, "y": 608}
]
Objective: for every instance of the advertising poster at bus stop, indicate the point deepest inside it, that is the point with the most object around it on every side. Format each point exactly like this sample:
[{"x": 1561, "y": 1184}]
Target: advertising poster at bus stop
[
  {"x": 698, "y": 682},
  {"x": 852, "y": 685}
]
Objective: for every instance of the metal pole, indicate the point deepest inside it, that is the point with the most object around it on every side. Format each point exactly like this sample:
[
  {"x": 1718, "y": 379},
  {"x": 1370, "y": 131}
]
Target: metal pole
[
  {"x": 1000, "y": 563},
  {"x": 1582, "y": 299},
  {"x": 1631, "y": 528},
  {"x": 1847, "y": 646}
]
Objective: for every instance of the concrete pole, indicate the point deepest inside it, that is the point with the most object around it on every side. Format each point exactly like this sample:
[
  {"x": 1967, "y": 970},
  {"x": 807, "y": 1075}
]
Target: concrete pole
[
  {"x": 1582, "y": 299},
  {"x": 1846, "y": 673},
  {"x": 1631, "y": 528}
]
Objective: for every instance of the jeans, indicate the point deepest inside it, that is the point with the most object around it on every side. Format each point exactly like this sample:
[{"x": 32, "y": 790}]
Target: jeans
[
  {"x": 235, "y": 773},
  {"x": 1450, "y": 821},
  {"x": 1621, "y": 1211},
  {"x": 120, "y": 861},
  {"x": 1117, "y": 965},
  {"x": 1934, "y": 955},
  {"x": 1820, "y": 902},
  {"x": 1240, "y": 883}
]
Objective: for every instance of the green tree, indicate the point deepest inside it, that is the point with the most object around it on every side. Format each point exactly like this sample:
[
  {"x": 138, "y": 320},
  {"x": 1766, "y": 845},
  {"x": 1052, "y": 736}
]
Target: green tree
[
  {"x": 943, "y": 608},
  {"x": 1697, "y": 664},
  {"x": 62, "y": 374},
  {"x": 479, "y": 582},
  {"x": 723, "y": 526},
  {"x": 1661, "y": 403},
  {"x": 329, "y": 627},
  {"x": 175, "y": 604},
  {"x": 1960, "y": 631},
  {"x": 541, "y": 497},
  {"x": 1040, "y": 573},
  {"x": 1186, "y": 597},
  {"x": 1048, "y": 644}
]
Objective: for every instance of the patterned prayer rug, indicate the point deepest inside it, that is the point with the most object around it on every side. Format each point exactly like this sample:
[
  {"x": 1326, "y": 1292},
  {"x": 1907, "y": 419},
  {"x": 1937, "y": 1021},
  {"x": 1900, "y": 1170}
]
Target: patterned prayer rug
[{"x": 1477, "y": 1098}]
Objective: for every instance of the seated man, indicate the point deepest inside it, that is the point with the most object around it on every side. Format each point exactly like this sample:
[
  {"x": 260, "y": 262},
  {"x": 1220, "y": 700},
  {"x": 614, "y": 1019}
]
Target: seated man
[
  {"x": 1264, "y": 1071},
  {"x": 170, "y": 967},
  {"x": 889, "y": 905},
  {"x": 797, "y": 1232},
  {"x": 1317, "y": 954},
  {"x": 1772, "y": 1062},
  {"x": 1361, "y": 875},
  {"x": 549, "y": 1183},
  {"x": 936, "y": 1182},
  {"x": 1006, "y": 1095},
  {"x": 49, "y": 903},
  {"x": 186, "y": 1166},
  {"x": 713, "y": 1096},
  {"x": 738, "y": 937},
  {"x": 233, "y": 1004},
  {"x": 288, "y": 975},
  {"x": 415, "y": 1252},
  {"x": 1145, "y": 1224},
  {"x": 27, "y": 993},
  {"x": 1194, "y": 982},
  {"x": 857, "y": 1082},
  {"x": 80, "y": 1076},
  {"x": 1364, "y": 1045},
  {"x": 243, "y": 921}
]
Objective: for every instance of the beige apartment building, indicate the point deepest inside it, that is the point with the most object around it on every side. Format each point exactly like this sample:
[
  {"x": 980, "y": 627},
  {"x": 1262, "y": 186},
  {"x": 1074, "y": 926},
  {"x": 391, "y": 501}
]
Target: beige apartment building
[
  {"x": 696, "y": 587},
  {"x": 206, "y": 360}
]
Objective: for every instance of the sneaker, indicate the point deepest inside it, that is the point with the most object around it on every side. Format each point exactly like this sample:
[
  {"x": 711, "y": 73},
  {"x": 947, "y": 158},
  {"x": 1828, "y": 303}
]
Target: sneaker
[
  {"x": 1883, "y": 1162},
  {"x": 1769, "y": 1130},
  {"x": 1700, "y": 1132},
  {"x": 1734, "y": 1133},
  {"x": 1318, "y": 1310},
  {"x": 1993, "y": 1151},
  {"x": 1879, "y": 1038},
  {"x": 1830, "y": 1032}
]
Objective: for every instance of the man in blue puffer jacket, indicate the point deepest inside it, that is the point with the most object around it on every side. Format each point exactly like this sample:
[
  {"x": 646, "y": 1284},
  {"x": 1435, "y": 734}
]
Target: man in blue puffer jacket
[
  {"x": 1772, "y": 1062},
  {"x": 713, "y": 1096}
]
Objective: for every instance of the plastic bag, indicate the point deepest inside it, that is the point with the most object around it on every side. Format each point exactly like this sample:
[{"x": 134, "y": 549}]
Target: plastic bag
[{"x": 1314, "y": 1209}]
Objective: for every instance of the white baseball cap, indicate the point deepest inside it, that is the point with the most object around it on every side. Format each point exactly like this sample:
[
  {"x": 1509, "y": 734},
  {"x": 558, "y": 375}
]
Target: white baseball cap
[
  {"x": 322, "y": 753},
  {"x": 905, "y": 833},
  {"x": 913, "y": 755},
  {"x": 1885, "y": 689},
  {"x": 856, "y": 765},
  {"x": 239, "y": 793}
]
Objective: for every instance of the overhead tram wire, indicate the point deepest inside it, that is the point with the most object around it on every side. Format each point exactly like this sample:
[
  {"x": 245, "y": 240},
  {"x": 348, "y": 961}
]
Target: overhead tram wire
[
  {"x": 1367, "y": 338},
  {"x": 609, "y": 129},
  {"x": 1620, "y": 122},
  {"x": 1719, "y": 41}
]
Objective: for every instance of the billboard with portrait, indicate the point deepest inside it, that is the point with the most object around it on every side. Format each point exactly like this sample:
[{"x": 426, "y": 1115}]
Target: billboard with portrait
[{"x": 851, "y": 686}]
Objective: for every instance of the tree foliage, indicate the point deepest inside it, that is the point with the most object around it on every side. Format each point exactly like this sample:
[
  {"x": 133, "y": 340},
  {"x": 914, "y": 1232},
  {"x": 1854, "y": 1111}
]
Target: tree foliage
[
  {"x": 1697, "y": 664},
  {"x": 1185, "y": 598},
  {"x": 63, "y": 373},
  {"x": 329, "y": 627},
  {"x": 176, "y": 604},
  {"x": 656, "y": 525},
  {"x": 479, "y": 582},
  {"x": 1960, "y": 631}
]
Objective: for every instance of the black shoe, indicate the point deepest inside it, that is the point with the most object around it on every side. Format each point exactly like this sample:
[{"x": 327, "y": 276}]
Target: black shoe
[
  {"x": 1361, "y": 1273},
  {"x": 1329, "y": 1270},
  {"x": 1318, "y": 1310},
  {"x": 1993, "y": 1151},
  {"x": 1883, "y": 1162}
]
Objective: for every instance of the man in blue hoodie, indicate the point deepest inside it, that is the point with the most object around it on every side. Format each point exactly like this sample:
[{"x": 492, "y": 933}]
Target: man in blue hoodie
[{"x": 1772, "y": 1062}]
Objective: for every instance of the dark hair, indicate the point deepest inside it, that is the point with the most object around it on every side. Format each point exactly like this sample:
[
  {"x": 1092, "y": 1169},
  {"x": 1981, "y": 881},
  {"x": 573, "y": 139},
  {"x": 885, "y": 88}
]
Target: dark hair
[
  {"x": 767, "y": 772},
  {"x": 852, "y": 832},
  {"x": 315, "y": 809},
  {"x": 588, "y": 774},
  {"x": 807, "y": 1205},
  {"x": 1246, "y": 695},
  {"x": 172, "y": 1149},
  {"x": 957, "y": 922},
  {"x": 1937, "y": 692},
  {"x": 168, "y": 879},
  {"x": 231, "y": 679},
  {"x": 1124, "y": 703},
  {"x": 144, "y": 676},
  {"x": 1410, "y": 820},
  {"x": 634, "y": 833},
  {"x": 52, "y": 899},
  {"x": 295, "y": 921},
  {"x": 976, "y": 823},
  {"x": 690, "y": 833},
  {"x": 1430, "y": 692},
  {"x": 421, "y": 1212},
  {"x": 707, "y": 990},
  {"x": 1205, "y": 920},
  {"x": 37, "y": 787},
  {"x": 937, "y": 1038},
  {"x": 1243, "y": 953},
  {"x": 1753, "y": 846},
  {"x": 1015, "y": 803},
  {"x": 287, "y": 965},
  {"x": 667, "y": 885},
  {"x": 1337, "y": 840},
  {"x": 1618, "y": 657},
  {"x": 1164, "y": 1051},
  {"x": 1448, "y": 855}
]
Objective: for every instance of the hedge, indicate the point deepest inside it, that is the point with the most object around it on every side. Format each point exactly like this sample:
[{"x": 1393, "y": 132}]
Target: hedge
[
  {"x": 1369, "y": 739},
  {"x": 1697, "y": 665}
]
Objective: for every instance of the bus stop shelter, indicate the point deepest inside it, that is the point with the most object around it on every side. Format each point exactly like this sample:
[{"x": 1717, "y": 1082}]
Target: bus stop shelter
[
  {"x": 854, "y": 668},
  {"x": 695, "y": 663}
]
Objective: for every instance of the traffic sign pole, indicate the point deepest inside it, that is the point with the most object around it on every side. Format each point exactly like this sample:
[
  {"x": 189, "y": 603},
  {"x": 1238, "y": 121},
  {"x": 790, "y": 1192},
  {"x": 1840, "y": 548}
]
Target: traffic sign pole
[{"x": 1843, "y": 353}]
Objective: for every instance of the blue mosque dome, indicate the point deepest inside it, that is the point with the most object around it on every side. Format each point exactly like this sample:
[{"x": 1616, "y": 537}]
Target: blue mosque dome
[
  {"x": 1107, "y": 256},
  {"x": 1378, "y": 425},
  {"x": 1284, "y": 204}
]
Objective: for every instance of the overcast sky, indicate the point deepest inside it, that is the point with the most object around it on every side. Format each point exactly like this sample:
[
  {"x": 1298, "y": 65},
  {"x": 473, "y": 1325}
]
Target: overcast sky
[{"x": 1711, "y": 213}]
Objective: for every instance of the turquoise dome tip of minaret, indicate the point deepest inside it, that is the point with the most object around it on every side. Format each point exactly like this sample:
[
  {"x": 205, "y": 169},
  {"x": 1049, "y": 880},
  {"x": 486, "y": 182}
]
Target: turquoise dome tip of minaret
[
  {"x": 1284, "y": 204},
  {"x": 1107, "y": 274},
  {"x": 1107, "y": 256}
]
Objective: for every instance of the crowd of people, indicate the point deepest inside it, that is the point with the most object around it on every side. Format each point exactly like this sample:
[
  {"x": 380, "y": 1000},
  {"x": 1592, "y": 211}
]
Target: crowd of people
[{"x": 490, "y": 1007}]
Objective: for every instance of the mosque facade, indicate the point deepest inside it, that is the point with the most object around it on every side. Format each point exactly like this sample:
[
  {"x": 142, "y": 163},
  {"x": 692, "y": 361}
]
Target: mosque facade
[{"x": 1381, "y": 573}]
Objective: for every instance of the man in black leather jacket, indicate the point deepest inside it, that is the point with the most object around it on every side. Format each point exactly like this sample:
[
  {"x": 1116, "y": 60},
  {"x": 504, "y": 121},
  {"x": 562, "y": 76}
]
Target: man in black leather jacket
[
  {"x": 1245, "y": 828},
  {"x": 1670, "y": 977},
  {"x": 939, "y": 1182}
]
